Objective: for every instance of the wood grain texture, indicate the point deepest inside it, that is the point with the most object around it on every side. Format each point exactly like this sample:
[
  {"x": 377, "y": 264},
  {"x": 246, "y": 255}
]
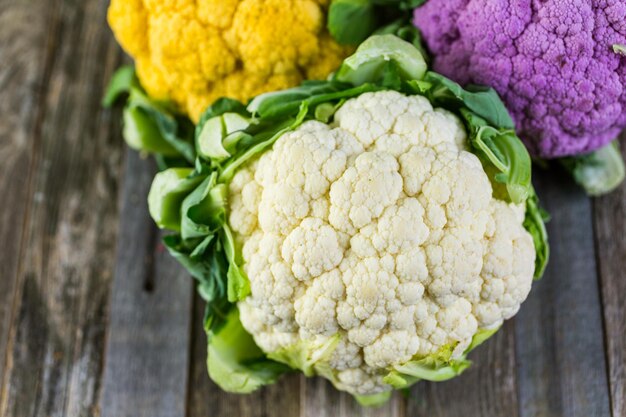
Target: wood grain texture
[
  {"x": 610, "y": 232},
  {"x": 559, "y": 340},
  {"x": 207, "y": 399},
  {"x": 24, "y": 53},
  {"x": 486, "y": 389},
  {"x": 55, "y": 346},
  {"x": 147, "y": 357}
]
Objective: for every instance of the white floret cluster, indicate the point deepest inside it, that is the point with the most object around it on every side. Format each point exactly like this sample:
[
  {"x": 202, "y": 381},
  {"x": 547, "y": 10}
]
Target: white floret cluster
[{"x": 380, "y": 227}]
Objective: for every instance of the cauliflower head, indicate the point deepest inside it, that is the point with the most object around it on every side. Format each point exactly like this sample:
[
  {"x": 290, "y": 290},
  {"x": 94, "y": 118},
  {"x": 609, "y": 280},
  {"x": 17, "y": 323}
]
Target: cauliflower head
[
  {"x": 194, "y": 52},
  {"x": 378, "y": 235},
  {"x": 372, "y": 228},
  {"x": 556, "y": 64}
]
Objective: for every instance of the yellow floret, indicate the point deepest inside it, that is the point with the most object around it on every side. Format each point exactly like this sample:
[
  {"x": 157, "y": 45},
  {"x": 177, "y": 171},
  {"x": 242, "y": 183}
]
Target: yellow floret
[{"x": 193, "y": 52}]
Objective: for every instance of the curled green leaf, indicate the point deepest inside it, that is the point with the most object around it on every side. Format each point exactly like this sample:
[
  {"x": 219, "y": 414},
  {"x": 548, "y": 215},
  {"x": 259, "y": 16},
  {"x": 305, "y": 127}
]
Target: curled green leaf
[
  {"x": 599, "y": 172},
  {"x": 121, "y": 83},
  {"x": 235, "y": 362},
  {"x": 534, "y": 223},
  {"x": 169, "y": 189},
  {"x": 204, "y": 209},
  {"x": 437, "y": 367},
  {"x": 482, "y": 101},
  {"x": 238, "y": 282},
  {"x": 374, "y": 400},
  {"x": 505, "y": 152},
  {"x": 368, "y": 63},
  {"x": 219, "y": 136}
]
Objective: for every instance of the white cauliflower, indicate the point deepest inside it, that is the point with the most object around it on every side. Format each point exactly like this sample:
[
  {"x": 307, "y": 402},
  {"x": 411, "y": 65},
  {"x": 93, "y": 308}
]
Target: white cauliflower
[{"x": 380, "y": 230}]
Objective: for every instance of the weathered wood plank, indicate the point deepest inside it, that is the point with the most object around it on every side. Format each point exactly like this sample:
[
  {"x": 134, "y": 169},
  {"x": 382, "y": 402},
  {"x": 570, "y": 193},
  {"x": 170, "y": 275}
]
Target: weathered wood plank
[
  {"x": 559, "y": 339},
  {"x": 321, "y": 399},
  {"x": 486, "y": 389},
  {"x": 24, "y": 49},
  {"x": 207, "y": 399},
  {"x": 610, "y": 228},
  {"x": 146, "y": 365},
  {"x": 55, "y": 348}
]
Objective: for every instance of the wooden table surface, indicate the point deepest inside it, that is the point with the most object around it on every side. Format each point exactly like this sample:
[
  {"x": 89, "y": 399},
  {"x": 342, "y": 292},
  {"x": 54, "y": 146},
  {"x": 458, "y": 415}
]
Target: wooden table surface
[{"x": 97, "y": 320}]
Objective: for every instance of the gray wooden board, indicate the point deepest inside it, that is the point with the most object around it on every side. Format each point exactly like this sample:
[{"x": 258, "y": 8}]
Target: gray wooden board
[
  {"x": 23, "y": 53},
  {"x": 559, "y": 339},
  {"x": 146, "y": 365},
  {"x": 610, "y": 226},
  {"x": 59, "y": 308}
]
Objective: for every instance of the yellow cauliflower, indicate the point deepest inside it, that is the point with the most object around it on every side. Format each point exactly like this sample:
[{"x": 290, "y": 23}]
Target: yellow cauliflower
[{"x": 195, "y": 51}]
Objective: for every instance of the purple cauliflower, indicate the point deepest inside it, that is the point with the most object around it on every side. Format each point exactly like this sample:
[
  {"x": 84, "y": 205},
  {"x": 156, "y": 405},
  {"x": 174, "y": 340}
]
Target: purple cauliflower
[{"x": 558, "y": 64}]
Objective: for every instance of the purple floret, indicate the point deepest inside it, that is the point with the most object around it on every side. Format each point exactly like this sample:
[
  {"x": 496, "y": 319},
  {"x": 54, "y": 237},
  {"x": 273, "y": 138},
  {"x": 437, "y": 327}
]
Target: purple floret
[{"x": 552, "y": 62}]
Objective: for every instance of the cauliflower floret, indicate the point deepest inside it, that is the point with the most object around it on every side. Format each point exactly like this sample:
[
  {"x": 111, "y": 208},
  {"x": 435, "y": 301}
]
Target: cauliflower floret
[
  {"x": 195, "y": 51},
  {"x": 312, "y": 248},
  {"x": 364, "y": 190},
  {"x": 382, "y": 229},
  {"x": 315, "y": 310}
]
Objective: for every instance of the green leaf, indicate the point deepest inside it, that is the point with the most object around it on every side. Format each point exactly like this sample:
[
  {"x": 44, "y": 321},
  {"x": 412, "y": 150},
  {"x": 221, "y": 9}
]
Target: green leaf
[
  {"x": 599, "y": 172},
  {"x": 167, "y": 192},
  {"x": 235, "y": 362},
  {"x": 405, "y": 31},
  {"x": 482, "y": 101},
  {"x": 351, "y": 21},
  {"x": 221, "y": 106},
  {"x": 165, "y": 162},
  {"x": 209, "y": 142},
  {"x": 150, "y": 125},
  {"x": 121, "y": 83},
  {"x": 324, "y": 112},
  {"x": 207, "y": 264},
  {"x": 534, "y": 223},
  {"x": 412, "y": 4},
  {"x": 480, "y": 337},
  {"x": 368, "y": 63},
  {"x": 280, "y": 104},
  {"x": 142, "y": 134},
  {"x": 232, "y": 164},
  {"x": 238, "y": 282},
  {"x": 219, "y": 136},
  {"x": 204, "y": 209},
  {"x": 436, "y": 367},
  {"x": 374, "y": 400},
  {"x": 502, "y": 150},
  {"x": 177, "y": 131}
]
